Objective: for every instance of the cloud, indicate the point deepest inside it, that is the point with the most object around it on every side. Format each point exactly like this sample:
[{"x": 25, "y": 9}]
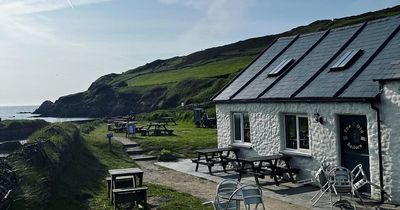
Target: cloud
[
  {"x": 21, "y": 19},
  {"x": 222, "y": 18},
  {"x": 70, "y": 3},
  {"x": 192, "y": 4}
]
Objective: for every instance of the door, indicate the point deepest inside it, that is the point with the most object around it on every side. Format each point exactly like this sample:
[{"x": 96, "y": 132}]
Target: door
[{"x": 354, "y": 143}]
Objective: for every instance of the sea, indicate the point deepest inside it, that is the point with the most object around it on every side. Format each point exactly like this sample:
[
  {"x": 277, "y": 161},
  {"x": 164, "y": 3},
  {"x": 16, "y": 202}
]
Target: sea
[{"x": 25, "y": 113}]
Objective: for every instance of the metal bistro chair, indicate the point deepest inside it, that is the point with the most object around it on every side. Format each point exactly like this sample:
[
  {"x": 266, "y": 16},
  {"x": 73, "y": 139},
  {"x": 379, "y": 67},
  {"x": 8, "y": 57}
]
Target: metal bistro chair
[
  {"x": 321, "y": 180},
  {"x": 359, "y": 180},
  {"x": 252, "y": 196},
  {"x": 223, "y": 197},
  {"x": 249, "y": 194},
  {"x": 340, "y": 181}
]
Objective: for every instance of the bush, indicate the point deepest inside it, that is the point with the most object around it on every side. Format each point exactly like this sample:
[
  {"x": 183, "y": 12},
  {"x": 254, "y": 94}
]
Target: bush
[
  {"x": 165, "y": 152},
  {"x": 165, "y": 155}
]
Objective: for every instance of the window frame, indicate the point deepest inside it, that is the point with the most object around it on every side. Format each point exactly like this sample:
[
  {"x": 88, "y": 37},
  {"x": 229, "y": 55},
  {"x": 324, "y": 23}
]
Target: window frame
[
  {"x": 298, "y": 149},
  {"x": 281, "y": 67},
  {"x": 347, "y": 60},
  {"x": 242, "y": 128}
]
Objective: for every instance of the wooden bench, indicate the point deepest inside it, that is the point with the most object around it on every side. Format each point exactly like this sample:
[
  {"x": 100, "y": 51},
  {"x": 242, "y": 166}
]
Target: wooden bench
[
  {"x": 130, "y": 195},
  {"x": 144, "y": 132},
  {"x": 168, "y": 131},
  {"x": 212, "y": 156},
  {"x": 120, "y": 182},
  {"x": 209, "y": 164},
  {"x": 119, "y": 129},
  {"x": 280, "y": 171}
]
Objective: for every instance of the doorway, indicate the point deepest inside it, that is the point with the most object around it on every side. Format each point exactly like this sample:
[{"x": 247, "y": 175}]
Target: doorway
[{"x": 354, "y": 143}]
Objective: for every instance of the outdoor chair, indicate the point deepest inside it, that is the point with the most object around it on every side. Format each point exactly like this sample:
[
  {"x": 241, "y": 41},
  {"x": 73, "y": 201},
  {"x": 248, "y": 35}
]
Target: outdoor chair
[
  {"x": 252, "y": 197},
  {"x": 223, "y": 197},
  {"x": 321, "y": 180},
  {"x": 340, "y": 182},
  {"x": 360, "y": 179},
  {"x": 226, "y": 187}
]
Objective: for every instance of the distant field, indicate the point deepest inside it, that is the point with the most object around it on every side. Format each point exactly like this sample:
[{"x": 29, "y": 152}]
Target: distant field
[{"x": 213, "y": 69}]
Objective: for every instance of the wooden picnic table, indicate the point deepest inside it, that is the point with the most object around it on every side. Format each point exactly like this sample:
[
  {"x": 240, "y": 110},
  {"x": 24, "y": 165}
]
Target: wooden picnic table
[
  {"x": 137, "y": 174},
  {"x": 258, "y": 168},
  {"x": 210, "y": 157},
  {"x": 120, "y": 126},
  {"x": 156, "y": 129},
  {"x": 166, "y": 120}
]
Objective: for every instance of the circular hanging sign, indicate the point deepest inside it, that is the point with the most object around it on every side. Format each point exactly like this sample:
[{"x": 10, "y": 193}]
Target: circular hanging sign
[{"x": 354, "y": 136}]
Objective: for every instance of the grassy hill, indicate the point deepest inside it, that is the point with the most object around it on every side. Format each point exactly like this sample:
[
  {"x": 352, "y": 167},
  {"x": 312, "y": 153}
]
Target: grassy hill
[{"x": 190, "y": 79}]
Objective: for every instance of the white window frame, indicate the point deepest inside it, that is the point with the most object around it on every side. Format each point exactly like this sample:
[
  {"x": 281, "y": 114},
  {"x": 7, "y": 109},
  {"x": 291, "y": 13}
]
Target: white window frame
[
  {"x": 299, "y": 150},
  {"x": 241, "y": 140}
]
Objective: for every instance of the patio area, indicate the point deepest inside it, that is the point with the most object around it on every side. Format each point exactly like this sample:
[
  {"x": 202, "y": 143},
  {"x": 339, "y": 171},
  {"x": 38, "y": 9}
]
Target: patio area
[{"x": 296, "y": 194}]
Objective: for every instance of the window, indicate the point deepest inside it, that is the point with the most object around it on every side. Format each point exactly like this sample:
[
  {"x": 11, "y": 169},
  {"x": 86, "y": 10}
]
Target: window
[
  {"x": 296, "y": 132},
  {"x": 282, "y": 66},
  {"x": 347, "y": 59},
  {"x": 241, "y": 127}
]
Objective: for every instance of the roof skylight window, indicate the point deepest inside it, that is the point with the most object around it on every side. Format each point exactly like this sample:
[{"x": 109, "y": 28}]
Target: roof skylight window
[
  {"x": 282, "y": 66},
  {"x": 347, "y": 59}
]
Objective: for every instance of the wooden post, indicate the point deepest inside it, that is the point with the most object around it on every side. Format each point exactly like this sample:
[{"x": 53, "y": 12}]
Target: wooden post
[{"x": 109, "y": 136}]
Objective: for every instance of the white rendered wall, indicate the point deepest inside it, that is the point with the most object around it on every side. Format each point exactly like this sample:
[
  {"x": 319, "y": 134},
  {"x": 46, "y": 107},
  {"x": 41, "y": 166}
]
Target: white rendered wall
[
  {"x": 390, "y": 117},
  {"x": 267, "y": 133}
]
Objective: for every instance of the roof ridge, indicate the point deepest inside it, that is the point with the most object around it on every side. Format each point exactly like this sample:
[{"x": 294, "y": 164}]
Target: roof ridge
[{"x": 343, "y": 27}]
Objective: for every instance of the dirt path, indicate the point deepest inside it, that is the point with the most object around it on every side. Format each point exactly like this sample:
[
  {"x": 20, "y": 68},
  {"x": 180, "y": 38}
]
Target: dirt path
[{"x": 200, "y": 188}]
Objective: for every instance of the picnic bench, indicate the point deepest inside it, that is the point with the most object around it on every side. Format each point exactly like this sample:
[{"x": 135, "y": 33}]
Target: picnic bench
[
  {"x": 212, "y": 156},
  {"x": 156, "y": 129},
  {"x": 260, "y": 166},
  {"x": 125, "y": 185},
  {"x": 166, "y": 120},
  {"x": 136, "y": 195},
  {"x": 119, "y": 126}
]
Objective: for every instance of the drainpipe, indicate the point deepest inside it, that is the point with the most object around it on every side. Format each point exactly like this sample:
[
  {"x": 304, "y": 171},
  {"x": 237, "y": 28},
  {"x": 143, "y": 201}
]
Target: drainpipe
[{"x": 378, "y": 116}]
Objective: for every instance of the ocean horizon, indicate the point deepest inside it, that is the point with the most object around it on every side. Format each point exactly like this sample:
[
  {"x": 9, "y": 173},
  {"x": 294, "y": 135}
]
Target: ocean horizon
[{"x": 25, "y": 113}]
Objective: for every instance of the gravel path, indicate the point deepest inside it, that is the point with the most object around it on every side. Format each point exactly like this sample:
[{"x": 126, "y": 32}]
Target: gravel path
[{"x": 200, "y": 188}]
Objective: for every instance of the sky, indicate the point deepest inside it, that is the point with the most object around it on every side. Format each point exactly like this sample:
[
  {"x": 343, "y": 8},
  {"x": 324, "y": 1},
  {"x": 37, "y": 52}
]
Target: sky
[{"x": 52, "y": 48}]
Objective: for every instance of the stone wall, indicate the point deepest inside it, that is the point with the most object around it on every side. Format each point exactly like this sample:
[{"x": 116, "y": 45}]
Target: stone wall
[{"x": 267, "y": 132}]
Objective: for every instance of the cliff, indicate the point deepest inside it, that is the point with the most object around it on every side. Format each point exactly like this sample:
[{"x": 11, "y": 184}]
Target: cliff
[{"x": 190, "y": 79}]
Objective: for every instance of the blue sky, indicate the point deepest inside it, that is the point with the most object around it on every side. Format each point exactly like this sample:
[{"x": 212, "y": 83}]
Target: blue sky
[{"x": 51, "y": 48}]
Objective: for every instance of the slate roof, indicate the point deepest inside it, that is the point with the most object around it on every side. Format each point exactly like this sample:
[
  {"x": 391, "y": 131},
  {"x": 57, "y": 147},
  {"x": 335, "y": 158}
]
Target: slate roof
[{"x": 310, "y": 76}]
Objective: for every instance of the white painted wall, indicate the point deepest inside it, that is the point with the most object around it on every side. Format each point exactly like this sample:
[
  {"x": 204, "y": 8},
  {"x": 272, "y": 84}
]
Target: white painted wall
[
  {"x": 390, "y": 117},
  {"x": 267, "y": 133}
]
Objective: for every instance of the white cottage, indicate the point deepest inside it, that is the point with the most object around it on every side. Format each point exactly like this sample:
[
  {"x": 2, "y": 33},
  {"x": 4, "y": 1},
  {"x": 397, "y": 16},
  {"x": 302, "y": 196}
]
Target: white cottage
[{"x": 327, "y": 97}]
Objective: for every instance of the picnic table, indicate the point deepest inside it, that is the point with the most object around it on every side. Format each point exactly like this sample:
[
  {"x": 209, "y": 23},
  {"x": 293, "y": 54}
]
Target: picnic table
[
  {"x": 266, "y": 165},
  {"x": 120, "y": 126},
  {"x": 156, "y": 129},
  {"x": 210, "y": 157},
  {"x": 135, "y": 173},
  {"x": 167, "y": 120}
]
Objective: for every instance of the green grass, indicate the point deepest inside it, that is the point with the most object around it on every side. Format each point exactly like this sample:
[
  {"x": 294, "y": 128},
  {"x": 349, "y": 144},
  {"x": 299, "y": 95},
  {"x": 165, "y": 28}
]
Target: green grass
[
  {"x": 185, "y": 140},
  {"x": 172, "y": 200},
  {"x": 213, "y": 69},
  {"x": 83, "y": 186},
  {"x": 18, "y": 124}
]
